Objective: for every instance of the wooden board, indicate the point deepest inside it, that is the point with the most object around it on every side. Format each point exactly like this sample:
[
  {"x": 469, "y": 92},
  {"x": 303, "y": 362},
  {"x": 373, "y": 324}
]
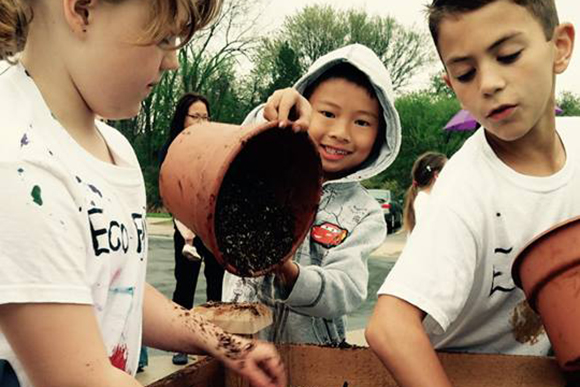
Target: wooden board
[
  {"x": 203, "y": 373},
  {"x": 316, "y": 366},
  {"x": 242, "y": 318}
]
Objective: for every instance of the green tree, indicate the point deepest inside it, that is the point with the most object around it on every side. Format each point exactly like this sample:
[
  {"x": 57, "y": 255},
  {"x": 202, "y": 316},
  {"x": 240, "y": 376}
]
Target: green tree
[
  {"x": 423, "y": 116},
  {"x": 276, "y": 65},
  {"x": 569, "y": 103},
  {"x": 439, "y": 87},
  {"x": 280, "y": 59},
  {"x": 286, "y": 69}
]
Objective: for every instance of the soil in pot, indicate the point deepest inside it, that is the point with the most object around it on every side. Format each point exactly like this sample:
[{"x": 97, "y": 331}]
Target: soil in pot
[{"x": 254, "y": 230}]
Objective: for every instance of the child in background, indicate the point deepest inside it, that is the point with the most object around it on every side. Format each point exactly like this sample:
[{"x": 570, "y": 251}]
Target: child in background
[
  {"x": 451, "y": 288},
  {"x": 356, "y": 129},
  {"x": 74, "y": 306},
  {"x": 424, "y": 174}
]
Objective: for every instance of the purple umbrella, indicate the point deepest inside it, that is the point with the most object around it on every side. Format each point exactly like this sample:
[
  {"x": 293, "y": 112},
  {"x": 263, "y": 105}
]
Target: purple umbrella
[{"x": 463, "y": 120}]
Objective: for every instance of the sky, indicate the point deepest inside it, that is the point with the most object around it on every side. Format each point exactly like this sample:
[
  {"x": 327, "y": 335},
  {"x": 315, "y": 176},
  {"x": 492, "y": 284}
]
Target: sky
[{"x": 410, "y": 13}]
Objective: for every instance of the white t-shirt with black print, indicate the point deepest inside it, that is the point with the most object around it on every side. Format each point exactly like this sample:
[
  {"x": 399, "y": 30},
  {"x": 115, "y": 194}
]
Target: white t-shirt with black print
[
  {"x": 456, "y": 267},
  {"x": 73, "y": 227}
]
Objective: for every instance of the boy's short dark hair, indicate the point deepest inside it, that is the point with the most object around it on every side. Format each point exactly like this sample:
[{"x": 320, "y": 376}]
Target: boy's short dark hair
[
  {"x": 350, "y": 73},
  {"x": 544, "y": 11},
  {"x": 345, "y": 71}
]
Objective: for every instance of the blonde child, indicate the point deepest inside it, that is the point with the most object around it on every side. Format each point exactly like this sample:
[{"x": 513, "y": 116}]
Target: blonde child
[{"x": 74, "y": 307}]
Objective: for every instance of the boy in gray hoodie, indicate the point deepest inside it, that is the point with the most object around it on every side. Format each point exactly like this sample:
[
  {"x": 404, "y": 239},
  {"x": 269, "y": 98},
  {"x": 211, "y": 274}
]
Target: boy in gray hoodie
[{"x": 347, "y": 95}]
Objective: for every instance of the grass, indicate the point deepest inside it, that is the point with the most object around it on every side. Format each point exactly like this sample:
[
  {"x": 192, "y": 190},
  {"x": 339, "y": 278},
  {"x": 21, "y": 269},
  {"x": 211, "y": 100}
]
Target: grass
[{"x": 159, "y": 215}]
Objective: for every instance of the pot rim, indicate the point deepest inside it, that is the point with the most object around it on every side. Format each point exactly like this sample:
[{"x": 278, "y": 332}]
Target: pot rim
[
  {"x": 535, "y": 288},
  {"x": 535, "y": 241}
]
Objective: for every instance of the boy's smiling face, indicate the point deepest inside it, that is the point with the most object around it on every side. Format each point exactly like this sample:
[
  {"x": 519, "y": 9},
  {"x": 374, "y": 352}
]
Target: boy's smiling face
[
  {"x": 502, "y": 68},
  {"x": 344, "y": 125}
]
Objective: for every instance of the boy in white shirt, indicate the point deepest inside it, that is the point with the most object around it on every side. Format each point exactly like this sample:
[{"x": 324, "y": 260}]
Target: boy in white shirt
[{"x": 452, "y": 288}]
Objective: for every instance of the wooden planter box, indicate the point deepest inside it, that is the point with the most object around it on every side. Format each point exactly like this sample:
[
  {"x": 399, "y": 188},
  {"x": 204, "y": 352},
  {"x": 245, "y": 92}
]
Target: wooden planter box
[{"x": 315, "y": 366}]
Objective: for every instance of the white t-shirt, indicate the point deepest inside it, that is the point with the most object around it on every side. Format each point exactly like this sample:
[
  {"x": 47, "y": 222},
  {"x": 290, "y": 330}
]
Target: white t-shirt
[
  {"x": 72, "y": 226},
  {"x": 420, "y": 205},
  {"x": 456, "y": 267}
]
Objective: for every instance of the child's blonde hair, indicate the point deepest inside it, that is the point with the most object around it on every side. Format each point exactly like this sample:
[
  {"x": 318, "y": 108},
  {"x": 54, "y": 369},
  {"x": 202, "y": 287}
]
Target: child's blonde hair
[{"x": 192, "y": 15}]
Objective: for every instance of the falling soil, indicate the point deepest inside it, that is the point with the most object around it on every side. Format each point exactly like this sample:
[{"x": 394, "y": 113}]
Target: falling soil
[{"x": 254, "y": 230}]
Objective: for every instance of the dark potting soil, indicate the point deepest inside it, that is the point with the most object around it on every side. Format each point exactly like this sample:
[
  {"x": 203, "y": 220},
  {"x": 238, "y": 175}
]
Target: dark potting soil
[
  {"x": 233, "y": 307},
  {"x": 253, "y": 230}
]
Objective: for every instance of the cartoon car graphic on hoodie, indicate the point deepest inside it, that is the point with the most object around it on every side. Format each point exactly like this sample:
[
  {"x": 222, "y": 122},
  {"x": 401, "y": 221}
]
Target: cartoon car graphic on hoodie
[{"x": 328, "y": 234}]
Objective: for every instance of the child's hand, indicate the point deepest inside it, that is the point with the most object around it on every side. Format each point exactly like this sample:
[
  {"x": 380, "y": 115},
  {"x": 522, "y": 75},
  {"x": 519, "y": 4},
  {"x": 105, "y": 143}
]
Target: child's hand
[
  {"x": 287, "y": 274},
  {"x": 288, "y": 105},
  {"x": 257, "y": 361},
  {"x": 186, "y": 233}
]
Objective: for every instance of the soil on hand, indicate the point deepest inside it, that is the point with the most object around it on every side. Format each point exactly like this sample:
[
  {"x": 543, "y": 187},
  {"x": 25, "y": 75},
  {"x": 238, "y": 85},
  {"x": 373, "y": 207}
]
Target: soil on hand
[{"x": 254, "y": 230}]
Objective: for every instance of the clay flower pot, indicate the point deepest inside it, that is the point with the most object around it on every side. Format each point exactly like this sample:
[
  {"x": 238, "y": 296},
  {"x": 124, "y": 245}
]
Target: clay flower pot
[
  {"x": 548, "y": 270},
  {"x": 251, "y": 193}
]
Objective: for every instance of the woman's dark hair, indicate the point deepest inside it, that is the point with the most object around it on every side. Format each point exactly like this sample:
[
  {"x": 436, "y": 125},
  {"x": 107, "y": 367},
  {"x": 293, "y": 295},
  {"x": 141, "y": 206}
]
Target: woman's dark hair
[
  {"x": 178, "y": 120},
  {"x": 423, "y": 173}
]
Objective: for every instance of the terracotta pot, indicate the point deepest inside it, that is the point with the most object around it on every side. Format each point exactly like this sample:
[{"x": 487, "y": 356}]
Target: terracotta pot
[
  {"x": 283, "y": 173},
  {"x": 548, "y": 270}
]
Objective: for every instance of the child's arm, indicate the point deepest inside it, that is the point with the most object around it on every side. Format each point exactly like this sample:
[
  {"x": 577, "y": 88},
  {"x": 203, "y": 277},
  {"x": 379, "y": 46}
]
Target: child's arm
[
  {"x": 170, "y": 327},
  {"x": 288, "y": 105},
  {"x": 186, "y": 233},
  {"x": 288, "y": 274},
  {"x": 395, "y": 334},
  {"x": 338, "y": 285},
  {"x": 60, "y": 345}
]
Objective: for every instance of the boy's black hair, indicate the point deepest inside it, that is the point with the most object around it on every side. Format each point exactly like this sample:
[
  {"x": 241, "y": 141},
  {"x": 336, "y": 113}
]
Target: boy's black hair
[
  {"x": 352, "y": 74},
  {"x": 544, "y": 11}
]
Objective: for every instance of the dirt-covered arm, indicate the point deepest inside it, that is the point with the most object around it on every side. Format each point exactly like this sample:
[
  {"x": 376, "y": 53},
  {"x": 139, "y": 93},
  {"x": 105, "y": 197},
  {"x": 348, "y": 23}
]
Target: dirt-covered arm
[{"x": 170, "y": 327}]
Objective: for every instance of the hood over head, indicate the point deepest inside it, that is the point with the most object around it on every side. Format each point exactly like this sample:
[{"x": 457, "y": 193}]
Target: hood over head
[{"x": 365, "y": 60}]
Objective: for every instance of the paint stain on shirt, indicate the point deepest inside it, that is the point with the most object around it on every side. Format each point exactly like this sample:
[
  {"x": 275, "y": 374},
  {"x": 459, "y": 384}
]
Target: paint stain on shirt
[
  {"x": 119, "y": 357},
  {"x": 95, "y": 190},
  {"x": 24, "y": 140},
  {"x": 527, "y": 325},
  {"x": 36, "y": 194}
]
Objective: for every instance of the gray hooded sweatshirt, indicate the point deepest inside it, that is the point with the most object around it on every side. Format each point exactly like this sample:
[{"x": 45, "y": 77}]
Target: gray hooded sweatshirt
[{"x": 349, "y": 226}]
